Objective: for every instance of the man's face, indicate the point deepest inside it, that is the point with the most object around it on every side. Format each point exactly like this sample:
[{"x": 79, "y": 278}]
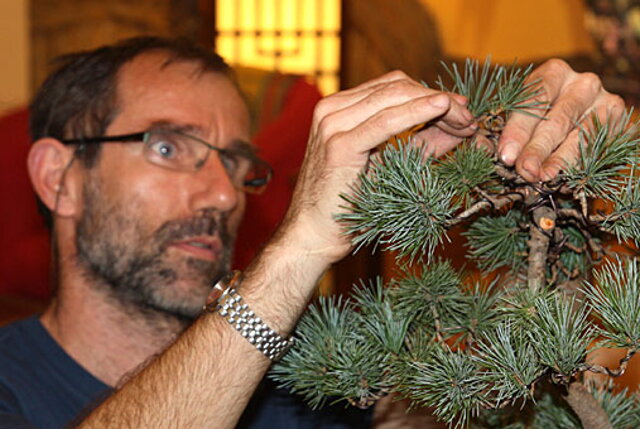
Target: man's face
[{"x": 156, "y": 238}]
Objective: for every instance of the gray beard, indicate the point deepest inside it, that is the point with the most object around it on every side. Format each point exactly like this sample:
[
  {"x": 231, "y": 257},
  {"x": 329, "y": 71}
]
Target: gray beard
[{"x": 135, "y": 270}]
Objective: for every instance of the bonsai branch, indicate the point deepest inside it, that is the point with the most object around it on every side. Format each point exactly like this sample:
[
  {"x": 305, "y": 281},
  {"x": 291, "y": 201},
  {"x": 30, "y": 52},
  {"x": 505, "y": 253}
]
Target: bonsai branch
[
  {"x": 494, "y": 202},
  {"x": 540, "y": 234},
  {"x": 586, "y": 407},
  {"x": 599, "y": 369}
]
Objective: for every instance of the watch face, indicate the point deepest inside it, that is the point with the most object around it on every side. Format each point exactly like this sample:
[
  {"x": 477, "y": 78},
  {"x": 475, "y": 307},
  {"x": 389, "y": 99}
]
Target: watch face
[{"x": 223, "y": 284}]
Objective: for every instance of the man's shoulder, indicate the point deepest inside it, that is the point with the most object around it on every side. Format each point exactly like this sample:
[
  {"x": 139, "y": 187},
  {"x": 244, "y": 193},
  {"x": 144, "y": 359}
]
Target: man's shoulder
[
  {"x": 20, "y": 352},
  {"x": 39, "y": 381},
  {"x": 28, "y": 351},
  {"x": 18, "y": 325},
  {"x": 28, "y": 324},
  {"x": 16, "y": 347},
  {"x": 20, "y": 339}
]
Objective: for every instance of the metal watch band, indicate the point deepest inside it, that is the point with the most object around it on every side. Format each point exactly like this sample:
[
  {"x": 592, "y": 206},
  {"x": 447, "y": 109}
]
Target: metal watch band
[{"x": 226, "y": 301}]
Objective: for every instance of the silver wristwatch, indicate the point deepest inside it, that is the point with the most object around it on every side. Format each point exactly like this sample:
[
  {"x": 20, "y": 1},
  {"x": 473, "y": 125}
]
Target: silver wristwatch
[{"x": 227, "y": 302}]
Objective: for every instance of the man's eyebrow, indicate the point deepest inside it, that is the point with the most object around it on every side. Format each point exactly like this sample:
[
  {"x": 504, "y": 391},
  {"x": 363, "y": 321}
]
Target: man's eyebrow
[
  {"x": 236, "y": 145},
  {"x": 181, "y": 128},
  {"x": 242, "y": 146}
]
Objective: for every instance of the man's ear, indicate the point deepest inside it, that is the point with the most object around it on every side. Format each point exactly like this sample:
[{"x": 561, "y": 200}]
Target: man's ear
[{"x": 49, "y": 165}]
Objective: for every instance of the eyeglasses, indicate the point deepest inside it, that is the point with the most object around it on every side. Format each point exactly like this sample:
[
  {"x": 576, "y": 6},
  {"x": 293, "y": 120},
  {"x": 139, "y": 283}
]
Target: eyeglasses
[{"x": 176, "y": 150}]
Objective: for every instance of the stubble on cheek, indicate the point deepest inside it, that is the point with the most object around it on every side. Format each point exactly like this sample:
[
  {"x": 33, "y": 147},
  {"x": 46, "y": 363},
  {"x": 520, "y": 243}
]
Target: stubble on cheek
[{"x": 117, "y": 247}]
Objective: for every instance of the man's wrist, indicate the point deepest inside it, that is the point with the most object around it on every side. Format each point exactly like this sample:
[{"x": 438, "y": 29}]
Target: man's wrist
[
  {"x": 280, "y": 282},
  {"x": 229, "y": 304},
  {"x": 314, "y": 246}
]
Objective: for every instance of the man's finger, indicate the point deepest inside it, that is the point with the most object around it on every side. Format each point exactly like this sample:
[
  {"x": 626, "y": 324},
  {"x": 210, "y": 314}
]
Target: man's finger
[
  {"x": 516, "y": 133},
  {"x": 436, "y": 141},
  {"x": 571, "y": 94},
  {"x": 455, "y": 120},
  {"x": 385, "y": 78},
  {"x": 551, "y": 77},
  {"x": 547, "y": 136},
  {"x": 570, "y": 107},
  {"x": 566, "y": 154},
  {"x": 347, "y": 98},
  {"x": 609, "y": 109},
  {"x": 393, "y": 120}
]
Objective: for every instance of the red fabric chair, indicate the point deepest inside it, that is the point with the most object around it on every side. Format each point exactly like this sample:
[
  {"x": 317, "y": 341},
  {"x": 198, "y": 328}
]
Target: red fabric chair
[
  {"x": 285, "y": 110},
  {"x": 24, "y": 239},
  {"x": 284, "y": 123}
]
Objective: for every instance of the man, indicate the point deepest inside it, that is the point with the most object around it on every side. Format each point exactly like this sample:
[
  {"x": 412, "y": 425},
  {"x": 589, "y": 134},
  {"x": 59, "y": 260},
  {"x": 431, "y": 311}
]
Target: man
[{"x": 140, "y": 155}]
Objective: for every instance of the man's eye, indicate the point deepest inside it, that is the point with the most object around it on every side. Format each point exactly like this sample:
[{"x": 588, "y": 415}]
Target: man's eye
[
  {"x": 230, "y": 162},
  {"x": 165, "y": 149}
]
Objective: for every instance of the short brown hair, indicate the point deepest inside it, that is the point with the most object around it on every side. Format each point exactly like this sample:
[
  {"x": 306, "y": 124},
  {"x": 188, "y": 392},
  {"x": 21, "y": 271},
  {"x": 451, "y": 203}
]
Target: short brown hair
[{"x": 79, "y": 99}]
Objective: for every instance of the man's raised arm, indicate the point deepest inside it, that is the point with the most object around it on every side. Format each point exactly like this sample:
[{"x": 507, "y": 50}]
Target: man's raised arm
[{"x": 207, "y": 376}]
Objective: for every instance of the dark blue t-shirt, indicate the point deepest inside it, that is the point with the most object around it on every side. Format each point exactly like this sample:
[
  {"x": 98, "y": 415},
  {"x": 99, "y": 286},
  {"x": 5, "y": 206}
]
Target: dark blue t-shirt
[{"x": 41, "y": 386}]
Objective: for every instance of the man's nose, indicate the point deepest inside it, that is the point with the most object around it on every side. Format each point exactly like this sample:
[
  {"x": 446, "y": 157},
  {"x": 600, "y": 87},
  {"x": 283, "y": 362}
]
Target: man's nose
[{"x": 214, "y": 187}]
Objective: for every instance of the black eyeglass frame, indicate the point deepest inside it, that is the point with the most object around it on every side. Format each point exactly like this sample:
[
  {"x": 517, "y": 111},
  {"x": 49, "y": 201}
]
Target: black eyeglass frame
[{"x": 142, "y": 137}]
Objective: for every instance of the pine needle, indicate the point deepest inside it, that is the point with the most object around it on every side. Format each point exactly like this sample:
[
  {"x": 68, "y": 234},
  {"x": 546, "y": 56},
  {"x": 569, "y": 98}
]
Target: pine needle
[
  {"x": 509, "y": 362},
  {"x": 399, "y": 204},
  {"x": 606, "y": 149},
  {"x": 561, "y": 334},
  {"x": 494, "y": 89},
  {"x": 615, "y": 301},
  {"x": 498, "y": 241}
]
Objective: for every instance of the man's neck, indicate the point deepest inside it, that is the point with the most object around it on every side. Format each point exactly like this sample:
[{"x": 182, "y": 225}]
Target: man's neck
[{"x": 107, "y": 339}]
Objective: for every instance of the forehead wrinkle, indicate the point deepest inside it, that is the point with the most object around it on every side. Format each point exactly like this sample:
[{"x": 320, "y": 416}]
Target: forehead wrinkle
[{"x": 144, "y": 69}]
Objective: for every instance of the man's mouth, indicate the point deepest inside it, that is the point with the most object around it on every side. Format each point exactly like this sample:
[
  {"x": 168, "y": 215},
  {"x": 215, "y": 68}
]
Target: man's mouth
[{"x": 201, "y": 248}]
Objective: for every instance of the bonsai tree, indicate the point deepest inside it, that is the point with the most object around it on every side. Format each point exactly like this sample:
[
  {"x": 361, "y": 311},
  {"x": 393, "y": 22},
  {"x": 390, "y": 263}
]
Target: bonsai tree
[{"x": 513, "y": 336}]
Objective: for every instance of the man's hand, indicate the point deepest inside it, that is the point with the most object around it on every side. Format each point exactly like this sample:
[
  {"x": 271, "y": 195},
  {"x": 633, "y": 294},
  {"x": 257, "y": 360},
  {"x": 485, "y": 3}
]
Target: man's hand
[
  {"x": 541, "y": 148},
  {"x": 346, "y": 127}
]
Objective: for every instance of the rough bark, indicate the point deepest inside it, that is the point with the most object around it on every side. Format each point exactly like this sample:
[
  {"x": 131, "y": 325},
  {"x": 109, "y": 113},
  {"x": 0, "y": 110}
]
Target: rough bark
[
  {"x": 540, "y": 234},
  {"x": 589, "y": 411}
]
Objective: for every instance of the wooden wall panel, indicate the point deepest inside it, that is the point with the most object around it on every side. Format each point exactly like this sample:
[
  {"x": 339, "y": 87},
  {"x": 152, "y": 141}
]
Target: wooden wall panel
[
  {"x": 381, "y": 35},
  {"x": 63, "y": 26}
]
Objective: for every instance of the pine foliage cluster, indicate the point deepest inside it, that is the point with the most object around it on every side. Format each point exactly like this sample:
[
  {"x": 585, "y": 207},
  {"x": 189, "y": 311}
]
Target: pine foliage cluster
[{"x": 502, "y": 351}]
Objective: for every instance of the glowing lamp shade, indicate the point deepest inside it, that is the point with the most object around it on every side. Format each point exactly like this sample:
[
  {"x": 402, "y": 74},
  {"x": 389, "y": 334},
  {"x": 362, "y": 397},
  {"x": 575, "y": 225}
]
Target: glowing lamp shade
[{"x": 290, "y": 36}]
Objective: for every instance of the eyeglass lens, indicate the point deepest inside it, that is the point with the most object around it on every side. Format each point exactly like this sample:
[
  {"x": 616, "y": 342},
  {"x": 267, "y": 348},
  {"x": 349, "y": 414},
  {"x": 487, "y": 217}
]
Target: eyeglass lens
[{"x": 182, "y": 152}]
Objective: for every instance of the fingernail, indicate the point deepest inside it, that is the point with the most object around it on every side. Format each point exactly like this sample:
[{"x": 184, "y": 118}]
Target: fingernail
[
  {"x": 466, "y": 123},
  {"x": 467, "y": 115},
  {"x": 509, "y": 152},
  {"x": 549, "y": 172},
  {"x": 532, "y": 167},
  {"x": 460, "y": 99}
]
